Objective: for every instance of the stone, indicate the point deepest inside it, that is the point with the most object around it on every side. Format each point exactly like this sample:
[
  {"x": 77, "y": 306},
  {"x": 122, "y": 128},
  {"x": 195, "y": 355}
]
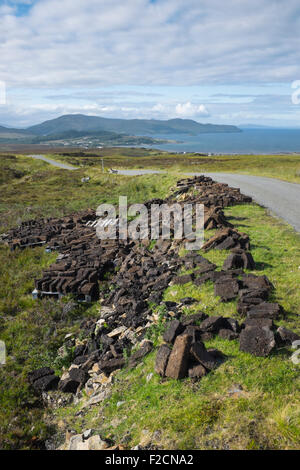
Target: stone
[
  {"x": 108, "y": 366},
  {"x": 257, "y": 341},
  {"x": 259, "y": 322},
  {"x": 295, "y": 357},
  {"x": 194, "y": 331},
  {"x": 180, "y": 280},
  {"x": 251, "y": 281},
  {"x": 75, "y": 378},
  {"x": 174, "y": 329},
  {"x": 87, "y": 434},
  {"x": 120, "y": 403},
  {"x": 239, "y": 259},
  {"x": 44, "y": 384},
  {"x": 266, "y": 310},
  {"x": 177, "y": 367},
  {"x": 226, "y": 289},
  {"x": 213, "y": 324},
  {"x": 39, "y": 373},
  {"x": 162, "y": 358},
  {"x": 200, "y": 353},
  {"x": 227, "y": 334},
  {"x": 206, "y": 336},
  {"x": 75, "y": 442},
  {"x": 286, "y": 336},
  {"x": 145, "y": 349},
  {"x": 149, "y": 377},
  {"x": 232, "y": 324},
  {"x": 197, "y": 371},
  {"x": 96, "y": 443}
]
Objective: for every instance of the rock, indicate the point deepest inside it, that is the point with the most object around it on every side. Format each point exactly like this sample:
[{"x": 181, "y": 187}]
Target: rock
[
  {"x": 226, "y": 289},
  {"x": 286, "y": 336},
  {"x": 75, "y": 378},
  {"x": 54, "y": 399},
  {"x": 251, "y": 281},
  {"x": 194, "y": 331},
  {"x": 171, "y": 305},
  {"x": 206, "y": 336},
  {"x": 265, "y": 310},
  {"x": 145, "y": 439},
  {"x": 87, "y": 434},
  {"x": 43, "y": 379},
  {"x": 174, "y": 329},
  {"x": 197, "y": 371},
  {"x": 49, "y": 382},
  {"x": 117, "y": 331},
  {"x": 149, "y": 377},
  {"x": 92, "y": 443},
  {"x": 213, "y": 324},
  {"x": 180, "y": 280},
  {"x": 75, "y": 442},
  {"x": 232, "y": 324},
  {"x": 39, "y": 373},
  {"x": 120, "y": 403},
  {"x": 108, "y": 366},
  {"x": 162, "y": 358},
  {"x": 226, "y": 239},
  {"x": 295, "y": 357},
  {"x": 177, "y": 367},
  {"x": 97, "y": 398},
  {"x": 239, "y": 259},
  {"x": 145, "y": 349},
  {"x": 227, "y": 334},
  {"x": 259, "y": 322},
  {"x": 200, "y": 353},
  {"x": 296, "y": 344},
  {"x": 257, "y": 341}
]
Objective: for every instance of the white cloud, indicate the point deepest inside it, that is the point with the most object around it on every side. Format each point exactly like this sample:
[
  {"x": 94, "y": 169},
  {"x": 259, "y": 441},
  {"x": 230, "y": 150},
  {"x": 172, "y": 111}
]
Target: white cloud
[
  {"x": 105, "y": 42},
  {"x": 190, "y": 110},
  {"x": 78, "y": 46}
]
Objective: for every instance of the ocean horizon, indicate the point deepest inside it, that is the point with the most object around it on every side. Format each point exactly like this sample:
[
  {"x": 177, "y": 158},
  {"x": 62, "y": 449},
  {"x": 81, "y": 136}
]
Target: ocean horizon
[{"x": 249, "y": 141}]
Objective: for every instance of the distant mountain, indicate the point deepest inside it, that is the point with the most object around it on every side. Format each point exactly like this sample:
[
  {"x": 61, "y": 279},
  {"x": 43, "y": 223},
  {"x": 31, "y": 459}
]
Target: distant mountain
[
  {"x": 8, "y": 130},
  {"x": 14, "y": 134},
  {"x": 90, "y": 124}
]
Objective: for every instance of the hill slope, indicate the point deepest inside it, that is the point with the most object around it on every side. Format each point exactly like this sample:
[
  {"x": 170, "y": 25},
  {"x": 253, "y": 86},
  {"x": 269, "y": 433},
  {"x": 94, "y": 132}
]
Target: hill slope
[{"x": 80, "y": 122}]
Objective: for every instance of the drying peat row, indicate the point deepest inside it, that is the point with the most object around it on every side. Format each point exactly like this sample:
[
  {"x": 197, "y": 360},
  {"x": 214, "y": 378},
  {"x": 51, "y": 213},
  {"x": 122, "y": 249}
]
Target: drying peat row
[{"x": 127, "y": 277}]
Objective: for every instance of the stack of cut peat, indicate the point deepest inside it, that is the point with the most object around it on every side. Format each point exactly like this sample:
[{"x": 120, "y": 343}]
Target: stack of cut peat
[{"x": 138, "y": 277}]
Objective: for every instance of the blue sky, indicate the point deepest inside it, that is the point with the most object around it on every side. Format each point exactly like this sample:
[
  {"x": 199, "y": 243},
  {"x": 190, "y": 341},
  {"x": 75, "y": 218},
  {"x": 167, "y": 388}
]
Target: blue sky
[{"x": 230, "y": 62}]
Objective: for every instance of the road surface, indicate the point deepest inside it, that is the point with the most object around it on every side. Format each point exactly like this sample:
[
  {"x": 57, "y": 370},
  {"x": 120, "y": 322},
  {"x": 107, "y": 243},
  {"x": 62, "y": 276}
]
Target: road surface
[
  {"x": 280, "y": 197},
  {"x": 64, "y": 166}
]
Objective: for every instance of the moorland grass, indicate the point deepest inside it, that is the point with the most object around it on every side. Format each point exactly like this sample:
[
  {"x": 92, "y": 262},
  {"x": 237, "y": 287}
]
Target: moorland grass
[{"x": 265, "y": 415}]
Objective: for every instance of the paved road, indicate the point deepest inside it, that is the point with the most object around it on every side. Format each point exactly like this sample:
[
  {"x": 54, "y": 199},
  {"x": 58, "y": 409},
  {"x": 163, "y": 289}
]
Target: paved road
[
  {"x": 280, "y": 197},
  {"x": 64, "y": 166}
]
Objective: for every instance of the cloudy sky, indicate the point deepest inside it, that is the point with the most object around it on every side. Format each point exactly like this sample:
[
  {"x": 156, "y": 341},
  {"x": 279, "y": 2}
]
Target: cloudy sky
[{"x": 214, "y": 61}]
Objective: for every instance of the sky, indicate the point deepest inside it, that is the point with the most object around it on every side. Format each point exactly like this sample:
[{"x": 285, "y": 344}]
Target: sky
[{"x": 234, "y": 62}]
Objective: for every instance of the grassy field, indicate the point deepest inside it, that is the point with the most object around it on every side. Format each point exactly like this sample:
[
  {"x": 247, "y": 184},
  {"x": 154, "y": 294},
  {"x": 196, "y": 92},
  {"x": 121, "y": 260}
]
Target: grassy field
[
  {"x": 285, "y": 167},
  {"x": 182, "y": 414},
  {"x": 207, "y": 415}
]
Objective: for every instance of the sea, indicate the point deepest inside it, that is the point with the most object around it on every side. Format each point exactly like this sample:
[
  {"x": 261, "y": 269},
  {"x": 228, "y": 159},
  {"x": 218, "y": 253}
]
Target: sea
[{"x": 249, "y": 141}]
